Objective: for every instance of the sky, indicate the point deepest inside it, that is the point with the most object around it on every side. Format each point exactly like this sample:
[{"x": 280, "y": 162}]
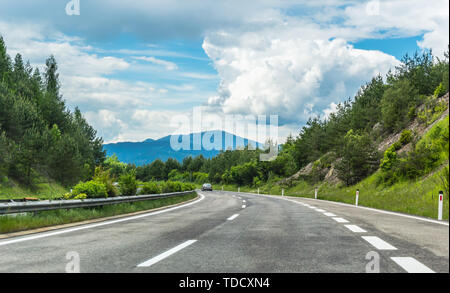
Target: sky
[{"x": 132, "y": 66}]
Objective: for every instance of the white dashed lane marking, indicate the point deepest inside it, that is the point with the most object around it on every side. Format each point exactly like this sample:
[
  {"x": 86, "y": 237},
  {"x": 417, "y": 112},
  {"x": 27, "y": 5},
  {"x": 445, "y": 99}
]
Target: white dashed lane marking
[
  {"x": 329, "y": 214},
  {"x": 166, "y": 254},
  {"x": 233, "y": 217},
  {"x": 355, "y": 229},
  {"x": 340, "y": 220},
  {"x": 411, "y": 265},
  {"x": 378, "y": 243}
]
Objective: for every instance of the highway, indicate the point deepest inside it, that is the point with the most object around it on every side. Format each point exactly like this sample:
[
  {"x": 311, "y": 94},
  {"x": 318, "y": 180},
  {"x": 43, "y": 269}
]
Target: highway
[{"x": 226, "y": 232}]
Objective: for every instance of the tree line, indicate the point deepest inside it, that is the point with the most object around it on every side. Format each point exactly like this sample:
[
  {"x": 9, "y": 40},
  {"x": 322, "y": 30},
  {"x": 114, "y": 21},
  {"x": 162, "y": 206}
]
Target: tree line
[{"x": 40, "y": 138}]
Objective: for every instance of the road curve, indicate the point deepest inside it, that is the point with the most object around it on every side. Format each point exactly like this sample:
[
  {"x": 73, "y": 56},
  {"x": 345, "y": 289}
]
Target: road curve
[{"x": 226, "y": 232}]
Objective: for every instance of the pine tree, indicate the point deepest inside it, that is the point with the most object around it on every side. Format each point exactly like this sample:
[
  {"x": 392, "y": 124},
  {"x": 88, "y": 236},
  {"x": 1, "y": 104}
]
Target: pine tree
[{"x": 5, "y": 62}]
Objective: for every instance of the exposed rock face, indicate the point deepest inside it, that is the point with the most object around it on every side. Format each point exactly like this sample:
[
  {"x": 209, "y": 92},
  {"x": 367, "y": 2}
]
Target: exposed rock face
[
  {"x": 304, "y": 171},
  {"x": 417, "y": 128},
  {"x": 331, "y": 176}
]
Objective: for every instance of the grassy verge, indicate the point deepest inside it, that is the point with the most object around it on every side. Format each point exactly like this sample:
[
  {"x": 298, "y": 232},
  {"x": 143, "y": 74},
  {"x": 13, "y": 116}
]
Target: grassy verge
[
  {"x": 41, "y": 191},
  {"x": 418, "y": 197},
  {"x": 17, "y": 223}
]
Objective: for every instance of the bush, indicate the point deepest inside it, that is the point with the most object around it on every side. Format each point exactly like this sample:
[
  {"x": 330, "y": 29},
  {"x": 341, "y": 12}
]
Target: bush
[
  {"x": 171, "y": 186},
  {"x": 439, "y": 91},
  {"x": 397, "y": 146},
  {"x": 92, "y": 189},
  {"x": 150, "y": 188},
  {"x": 188, "y": 187},
  {"x": 128, "y": 183},
  {"x": 81, "y": 196},
  {"x": 406, "y": 137},
  {"x": 175, "y": 186},
  {"x": 103, "y": 176},
  {"x": 390, "y": 156},
  {"x": 200, "y": 177}
]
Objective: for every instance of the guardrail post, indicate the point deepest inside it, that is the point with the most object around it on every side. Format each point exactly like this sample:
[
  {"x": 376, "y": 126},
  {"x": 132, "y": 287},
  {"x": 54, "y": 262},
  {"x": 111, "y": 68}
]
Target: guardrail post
[
  {"x": 315, "y": 193},
  {"x": 357, "y": 197},
  {"x": 441, "y": 203}
]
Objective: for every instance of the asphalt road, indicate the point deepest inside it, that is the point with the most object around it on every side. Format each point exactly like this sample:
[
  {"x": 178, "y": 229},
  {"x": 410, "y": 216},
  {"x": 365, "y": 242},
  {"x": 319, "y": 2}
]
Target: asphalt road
[{"x": 225, "y": 232}]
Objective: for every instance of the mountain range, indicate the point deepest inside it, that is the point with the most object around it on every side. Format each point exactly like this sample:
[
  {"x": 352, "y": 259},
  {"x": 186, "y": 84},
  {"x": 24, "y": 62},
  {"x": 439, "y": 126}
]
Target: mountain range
[{"x": 145, "y": 152}]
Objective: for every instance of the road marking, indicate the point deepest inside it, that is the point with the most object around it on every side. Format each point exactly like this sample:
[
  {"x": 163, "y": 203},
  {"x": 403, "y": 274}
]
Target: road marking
[
  {"x": 38, "y": 236},
  {"x": 355, "y": 229},
  {"x": 411, "y": 265},
  {"x": 311, "y": 207},
  {"x": 166, "y": 254},
  {"x": 340, "y": 220},
  {"x": 233, "y": 217},
  {"x": 244, "y": 206},
  {"x": 321, "y": 211},
  {"x": 378, "y": 243},
  {"x": 329, "y": 214},
  {"x": 445, "y": 223},
  {"x": 244, "y": 201}
]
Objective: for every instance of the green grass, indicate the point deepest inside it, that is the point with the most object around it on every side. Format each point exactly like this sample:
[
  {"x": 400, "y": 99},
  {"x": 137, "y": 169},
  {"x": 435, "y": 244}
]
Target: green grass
[
  {"x": 29, "y": 221},
  {"x": 41, "y": 191}
]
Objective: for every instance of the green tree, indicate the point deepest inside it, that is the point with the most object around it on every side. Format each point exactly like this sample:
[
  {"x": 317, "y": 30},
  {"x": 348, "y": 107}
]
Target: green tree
[
  {"x": 359, "y": 158},
  {"x": 395, "y": 104}
]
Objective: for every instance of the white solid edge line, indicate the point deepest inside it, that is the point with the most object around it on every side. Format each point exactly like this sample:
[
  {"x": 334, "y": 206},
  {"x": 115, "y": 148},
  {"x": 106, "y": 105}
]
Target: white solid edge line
[
  {"x": 233, "y": 217},
  {"x": 378, "y": 243},
  {"x": 411, "y": 265},
  {"x": 355, "y": 228},
  {"x": 340, "y": 220},
  {"x": 362, "y": 207},
  {"x": 321, "y": 211},
  {"x": 89, "y": 226},
  {"x": 166, "y": 254}
]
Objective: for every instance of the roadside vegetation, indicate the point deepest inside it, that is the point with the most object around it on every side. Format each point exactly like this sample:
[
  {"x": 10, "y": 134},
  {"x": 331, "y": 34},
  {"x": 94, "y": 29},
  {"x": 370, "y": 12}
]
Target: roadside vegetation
[{"x": 9, "y": 224}]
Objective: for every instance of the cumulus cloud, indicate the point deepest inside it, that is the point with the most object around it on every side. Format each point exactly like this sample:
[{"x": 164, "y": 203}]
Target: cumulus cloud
[
  {"x": 398, "y": 18},
  {"x": 281, "y": 73}
]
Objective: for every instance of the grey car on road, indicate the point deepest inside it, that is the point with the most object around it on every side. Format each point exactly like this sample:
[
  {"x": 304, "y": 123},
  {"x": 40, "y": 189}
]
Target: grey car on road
[{"x": 207, "y": 187}]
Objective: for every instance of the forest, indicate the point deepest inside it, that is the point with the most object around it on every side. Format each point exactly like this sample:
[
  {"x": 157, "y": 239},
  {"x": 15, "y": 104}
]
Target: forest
[{"x": 40, "y": 138}]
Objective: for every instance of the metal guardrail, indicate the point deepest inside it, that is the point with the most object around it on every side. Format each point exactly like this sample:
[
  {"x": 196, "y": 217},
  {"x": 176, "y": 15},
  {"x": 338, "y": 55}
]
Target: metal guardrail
[{"x": 26, "y": 207}]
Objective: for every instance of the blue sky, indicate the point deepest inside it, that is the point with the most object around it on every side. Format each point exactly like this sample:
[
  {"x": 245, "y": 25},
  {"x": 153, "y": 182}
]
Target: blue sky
[{"x": 133, "y": 66}]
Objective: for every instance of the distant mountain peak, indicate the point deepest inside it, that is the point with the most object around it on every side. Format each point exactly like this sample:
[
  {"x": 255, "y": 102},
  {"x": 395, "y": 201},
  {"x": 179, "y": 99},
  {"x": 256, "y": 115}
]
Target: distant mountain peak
[{"x": 149, "y": 150}]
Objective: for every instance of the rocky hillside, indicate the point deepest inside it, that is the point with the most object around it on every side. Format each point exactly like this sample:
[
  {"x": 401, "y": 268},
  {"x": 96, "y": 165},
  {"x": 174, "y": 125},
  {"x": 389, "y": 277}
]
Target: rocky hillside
[{"x": 427, "y": 115}]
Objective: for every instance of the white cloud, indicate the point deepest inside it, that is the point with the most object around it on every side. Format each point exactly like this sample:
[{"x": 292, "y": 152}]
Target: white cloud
[
  {"x": 167, "y": 64},
  {"x": 398, "y": 18},
  {"x": 277, "y": 72}
]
